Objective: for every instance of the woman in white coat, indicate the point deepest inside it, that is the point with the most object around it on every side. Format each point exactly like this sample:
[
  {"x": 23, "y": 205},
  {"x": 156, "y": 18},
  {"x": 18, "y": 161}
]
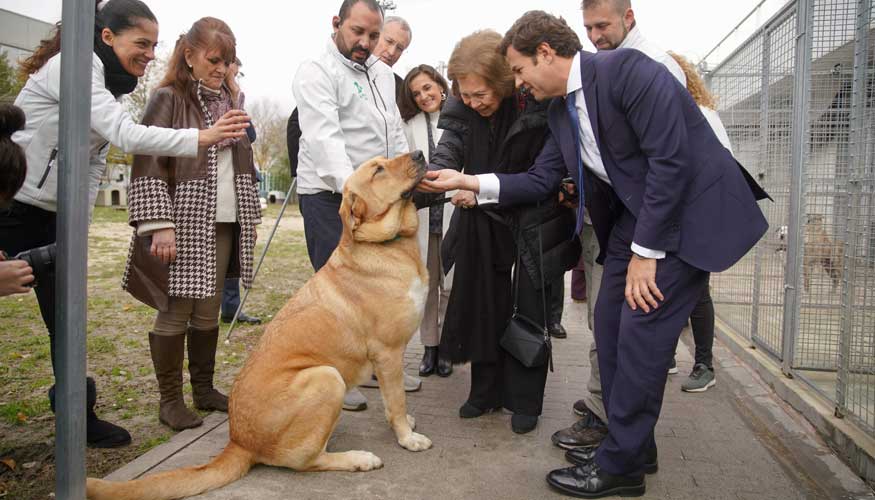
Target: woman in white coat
[{"x": 424, "y": 94}]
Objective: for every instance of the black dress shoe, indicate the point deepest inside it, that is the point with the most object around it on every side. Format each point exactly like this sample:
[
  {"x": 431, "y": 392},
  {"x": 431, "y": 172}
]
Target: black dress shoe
[
  {"x": 243, "y": 318},
  {"x": 429, "y": 361},
  {"x": 557, "y": 331},
  {"x": 470, "y": 411},
  {"x": 585, "y": 456},
  {"x": 444, "y": 367},
  {"x": 589, "y": 481},
  {"x": 522, "y": 424},
  {"x": 587, "y": 432}
]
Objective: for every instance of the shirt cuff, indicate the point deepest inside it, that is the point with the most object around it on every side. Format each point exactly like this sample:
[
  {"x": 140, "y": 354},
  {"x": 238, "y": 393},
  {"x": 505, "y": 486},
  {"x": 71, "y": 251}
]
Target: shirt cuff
[
  {"x": 147, "y": 227},
  {"x": 489, "y": 189},
  {"x": 647, "y": 253}
]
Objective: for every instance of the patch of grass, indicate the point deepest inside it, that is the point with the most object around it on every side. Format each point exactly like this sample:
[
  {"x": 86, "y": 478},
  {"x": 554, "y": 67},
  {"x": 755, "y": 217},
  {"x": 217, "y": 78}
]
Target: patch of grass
[
  {"x": 20, "y": 413},
  {"x": 153, "y": 442},
  {"x": 101, "y": 345},
  {"x": 110, "y": 215}
]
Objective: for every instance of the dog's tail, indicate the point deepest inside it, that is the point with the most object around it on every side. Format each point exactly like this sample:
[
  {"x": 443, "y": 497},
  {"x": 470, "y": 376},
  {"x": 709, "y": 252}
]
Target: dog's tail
[{"x": 232, "y": 464}]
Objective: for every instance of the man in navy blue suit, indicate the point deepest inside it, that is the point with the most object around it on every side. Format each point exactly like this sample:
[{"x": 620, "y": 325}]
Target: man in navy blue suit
[{"x": 669, "y": 205}]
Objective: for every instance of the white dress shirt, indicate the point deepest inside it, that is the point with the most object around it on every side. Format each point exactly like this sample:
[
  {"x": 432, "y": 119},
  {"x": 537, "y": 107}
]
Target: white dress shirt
[{"x": 490, "y": 188}]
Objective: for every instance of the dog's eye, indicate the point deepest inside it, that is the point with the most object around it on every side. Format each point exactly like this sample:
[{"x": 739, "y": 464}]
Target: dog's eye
[{"x": 379, "y": 170}]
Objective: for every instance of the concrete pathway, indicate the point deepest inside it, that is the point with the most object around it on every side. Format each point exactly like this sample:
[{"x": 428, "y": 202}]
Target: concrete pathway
[{"x": 734, "y": 442}]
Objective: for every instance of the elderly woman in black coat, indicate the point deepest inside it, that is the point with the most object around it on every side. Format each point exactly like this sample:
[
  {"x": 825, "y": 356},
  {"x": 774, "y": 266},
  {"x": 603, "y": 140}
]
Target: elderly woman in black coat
[{"x": 491, "y": 127}]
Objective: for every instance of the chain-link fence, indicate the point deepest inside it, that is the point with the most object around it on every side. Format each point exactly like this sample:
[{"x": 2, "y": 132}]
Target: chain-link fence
[{"x": 797, "y": 101}]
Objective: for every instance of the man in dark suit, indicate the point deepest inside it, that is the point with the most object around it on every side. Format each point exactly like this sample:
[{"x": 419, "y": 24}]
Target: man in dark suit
[{"x": 669, "y": 204}]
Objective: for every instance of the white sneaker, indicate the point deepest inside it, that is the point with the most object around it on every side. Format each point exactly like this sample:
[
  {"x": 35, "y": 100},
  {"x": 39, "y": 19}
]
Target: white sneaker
[
  {"x": 411, "y": 383},
  {"x": 355, "y": 401}
]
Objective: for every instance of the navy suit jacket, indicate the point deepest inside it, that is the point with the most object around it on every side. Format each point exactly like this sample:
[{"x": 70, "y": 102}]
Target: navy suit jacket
[{"x": 687, "y": 192}]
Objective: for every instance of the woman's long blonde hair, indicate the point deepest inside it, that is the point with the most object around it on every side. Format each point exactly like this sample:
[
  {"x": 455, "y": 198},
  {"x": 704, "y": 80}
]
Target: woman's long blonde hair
[{"x": 695, "y": 84}]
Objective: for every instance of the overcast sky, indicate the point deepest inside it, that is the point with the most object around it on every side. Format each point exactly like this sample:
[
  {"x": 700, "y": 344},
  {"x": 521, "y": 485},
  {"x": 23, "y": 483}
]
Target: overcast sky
[{"x": 274, "y": 37}]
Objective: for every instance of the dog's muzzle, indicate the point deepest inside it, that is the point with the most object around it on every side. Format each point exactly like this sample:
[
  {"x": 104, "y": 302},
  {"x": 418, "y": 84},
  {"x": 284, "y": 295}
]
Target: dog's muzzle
[{"x": 418, "y": 171}]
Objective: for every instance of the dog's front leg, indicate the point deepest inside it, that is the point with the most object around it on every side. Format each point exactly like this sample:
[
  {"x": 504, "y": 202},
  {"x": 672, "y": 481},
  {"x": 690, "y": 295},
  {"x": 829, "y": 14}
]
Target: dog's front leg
[{"x": 389, "y": 370}]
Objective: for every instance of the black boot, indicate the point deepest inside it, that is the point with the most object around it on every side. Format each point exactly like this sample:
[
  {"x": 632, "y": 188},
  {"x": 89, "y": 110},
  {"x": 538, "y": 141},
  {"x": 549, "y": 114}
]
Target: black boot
[
  {"x": 444, "y": 367},
  {"x": 429, "y": 361},
  {"x": 99, "y": 433}
]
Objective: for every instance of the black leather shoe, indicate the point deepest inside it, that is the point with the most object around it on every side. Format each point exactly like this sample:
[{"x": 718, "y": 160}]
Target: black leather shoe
[
  {"x": 429, "y": 361},
  {"x": 243, "y": 318},
  {"x": 470, "y": 411},
  {"x": 587, "y": 432},
  {"x": 557, "y": 331},
  {"x": 589, "y": 481},
  {"x": 444, "y": 367},
  {"x": 522, "y": 424},
  {"x": 584, "y": 456}
]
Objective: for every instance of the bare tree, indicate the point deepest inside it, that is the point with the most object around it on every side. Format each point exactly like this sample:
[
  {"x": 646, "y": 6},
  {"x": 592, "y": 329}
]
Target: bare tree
[
  {"x": 135, "y": 102},
  {"x": 387, "y": 5},
  {"x": 270, "y": 125}
]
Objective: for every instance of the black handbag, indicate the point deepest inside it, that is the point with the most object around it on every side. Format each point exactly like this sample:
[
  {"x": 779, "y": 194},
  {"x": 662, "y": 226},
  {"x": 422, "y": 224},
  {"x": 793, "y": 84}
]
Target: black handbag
[{"x": 525, "y": 340}]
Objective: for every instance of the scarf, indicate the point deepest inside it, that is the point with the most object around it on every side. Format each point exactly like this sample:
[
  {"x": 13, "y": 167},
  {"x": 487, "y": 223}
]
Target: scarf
[
  {"x": 118, "y": 81},
  {"x": 218, "y": 102}
]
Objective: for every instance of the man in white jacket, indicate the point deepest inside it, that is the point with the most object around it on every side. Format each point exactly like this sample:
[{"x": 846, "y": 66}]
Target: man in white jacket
[{"x": 348, "y": 115}]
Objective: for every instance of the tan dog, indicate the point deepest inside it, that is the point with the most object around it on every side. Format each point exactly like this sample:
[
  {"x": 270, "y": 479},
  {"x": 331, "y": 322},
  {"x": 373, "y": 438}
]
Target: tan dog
[
  {"x": 821, "y": 250},
  {"x": 352, "y": 319}
]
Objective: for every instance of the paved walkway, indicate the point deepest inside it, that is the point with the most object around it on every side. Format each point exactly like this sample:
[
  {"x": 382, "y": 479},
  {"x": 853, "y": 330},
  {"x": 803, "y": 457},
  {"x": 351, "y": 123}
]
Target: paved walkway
[{"x": 734, "y": 442}]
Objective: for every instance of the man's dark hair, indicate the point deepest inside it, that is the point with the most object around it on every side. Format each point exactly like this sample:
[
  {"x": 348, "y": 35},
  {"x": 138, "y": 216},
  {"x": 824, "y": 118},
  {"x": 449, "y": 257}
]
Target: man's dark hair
[
  {"x": 536, "y": 27},
  {"x": 347, "y": 6}
]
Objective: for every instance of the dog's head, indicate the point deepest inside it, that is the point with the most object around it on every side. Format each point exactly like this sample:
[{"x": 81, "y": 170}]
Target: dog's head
[{"x": 377, "y": 205}]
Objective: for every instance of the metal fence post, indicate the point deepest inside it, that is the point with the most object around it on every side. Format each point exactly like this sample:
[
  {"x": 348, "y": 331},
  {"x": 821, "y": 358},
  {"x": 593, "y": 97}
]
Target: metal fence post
[
  {"x": 763, "y": 160},
  {"x": 799, "y": 158},
  {"x": 856, "y": 164},
  {"x": 77, "y": 45}
]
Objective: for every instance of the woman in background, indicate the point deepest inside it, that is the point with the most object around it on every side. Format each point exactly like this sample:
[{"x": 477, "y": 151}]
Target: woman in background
[
  {"x": 194, "y": 221},
  {"x": 423, "y": 96},
  {"x": 702, "y": 318}
]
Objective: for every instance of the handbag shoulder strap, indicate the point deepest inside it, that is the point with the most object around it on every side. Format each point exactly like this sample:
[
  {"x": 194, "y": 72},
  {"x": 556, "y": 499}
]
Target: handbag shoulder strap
[{"x": 516, "y": 278}]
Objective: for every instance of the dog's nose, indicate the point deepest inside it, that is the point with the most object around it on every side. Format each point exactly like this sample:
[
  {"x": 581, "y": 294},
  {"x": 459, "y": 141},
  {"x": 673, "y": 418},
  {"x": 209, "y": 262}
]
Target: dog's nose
[{"x": 417, "y": 156}]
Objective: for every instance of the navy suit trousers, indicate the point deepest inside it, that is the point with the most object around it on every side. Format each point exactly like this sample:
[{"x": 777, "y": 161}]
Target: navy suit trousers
[{"x": 635, "y": 348}]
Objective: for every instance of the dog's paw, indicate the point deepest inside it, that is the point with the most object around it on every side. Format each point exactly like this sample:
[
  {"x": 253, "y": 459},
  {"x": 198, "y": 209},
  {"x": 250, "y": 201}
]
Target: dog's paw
[
  {"x": 412, "y": 422},
  {"x": 364, "y": 461},
  {"x": 415, "y": 442}
]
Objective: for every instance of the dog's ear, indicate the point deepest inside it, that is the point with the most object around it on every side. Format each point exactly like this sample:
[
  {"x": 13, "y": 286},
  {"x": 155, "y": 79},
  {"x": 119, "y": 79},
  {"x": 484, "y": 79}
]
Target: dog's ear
[{"x": 354, "y": 209}]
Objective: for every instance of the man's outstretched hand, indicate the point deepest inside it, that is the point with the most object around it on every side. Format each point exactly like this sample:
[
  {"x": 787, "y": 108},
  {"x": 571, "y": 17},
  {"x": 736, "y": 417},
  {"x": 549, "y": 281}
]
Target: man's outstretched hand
[{"x": 441, "y": 181}]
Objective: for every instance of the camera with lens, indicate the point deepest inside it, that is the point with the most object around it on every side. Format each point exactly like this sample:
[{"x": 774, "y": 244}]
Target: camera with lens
[{"x": 41, "y": 260}]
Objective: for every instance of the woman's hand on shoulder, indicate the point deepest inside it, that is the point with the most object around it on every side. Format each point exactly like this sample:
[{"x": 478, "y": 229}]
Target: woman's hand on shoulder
[{"x": 232, "y": 125}]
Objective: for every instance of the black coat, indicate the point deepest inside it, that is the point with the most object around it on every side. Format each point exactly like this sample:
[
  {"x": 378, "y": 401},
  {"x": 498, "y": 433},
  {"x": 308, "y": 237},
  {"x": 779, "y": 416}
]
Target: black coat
[{"x": 480, "y": 242}]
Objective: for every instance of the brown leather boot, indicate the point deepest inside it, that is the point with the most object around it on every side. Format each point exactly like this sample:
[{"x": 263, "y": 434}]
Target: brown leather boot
[
  {"x": 167, "y": 356},
  {"x": 201, "y": 366}
]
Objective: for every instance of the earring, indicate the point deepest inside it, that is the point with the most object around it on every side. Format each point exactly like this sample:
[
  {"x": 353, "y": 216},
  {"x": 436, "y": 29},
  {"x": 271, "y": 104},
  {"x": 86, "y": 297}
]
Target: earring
[{"x": 443, "y": 96}]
